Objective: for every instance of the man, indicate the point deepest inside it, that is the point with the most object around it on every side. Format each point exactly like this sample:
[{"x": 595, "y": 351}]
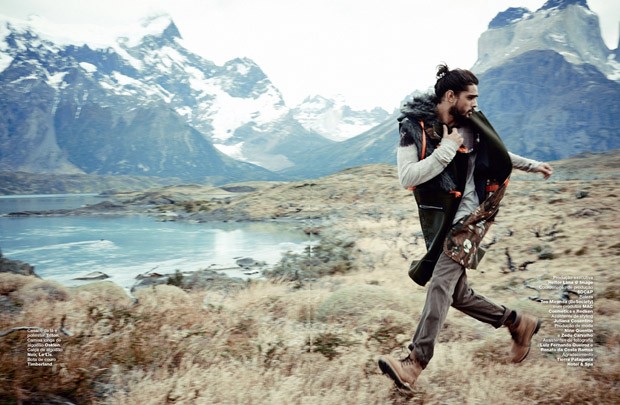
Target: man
[{"x": 459, "y": 168}]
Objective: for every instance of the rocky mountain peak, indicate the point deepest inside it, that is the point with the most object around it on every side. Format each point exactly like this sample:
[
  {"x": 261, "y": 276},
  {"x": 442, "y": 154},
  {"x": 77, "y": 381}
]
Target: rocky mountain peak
[
  {"x": 562, "y": 4},
  {"x": 515, "y": 14},
  {"x": 172, "y": 31},
  {"x": 510, "y": 16},
  {"x": 159, "y": 29},
  {"x": 161, "y": 25},
  {"x": 567, "y": 27},
  {"x": 157, "y": 22},
  {"x": 334, "y": 119},
  {"x": 244, "y": 66}
]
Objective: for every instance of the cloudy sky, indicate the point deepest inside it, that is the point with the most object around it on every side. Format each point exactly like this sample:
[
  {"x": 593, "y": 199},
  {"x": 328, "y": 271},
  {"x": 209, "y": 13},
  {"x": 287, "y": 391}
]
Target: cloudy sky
[{"x": 373, "y": 52}]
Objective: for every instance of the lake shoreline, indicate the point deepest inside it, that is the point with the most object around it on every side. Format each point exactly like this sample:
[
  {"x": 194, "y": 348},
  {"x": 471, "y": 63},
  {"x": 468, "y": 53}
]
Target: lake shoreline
[{"x": 148, "y": 212}]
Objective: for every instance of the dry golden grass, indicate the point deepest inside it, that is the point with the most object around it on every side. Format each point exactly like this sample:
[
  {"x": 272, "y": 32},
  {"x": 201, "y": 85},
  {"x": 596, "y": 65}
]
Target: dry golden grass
[{"x": 318, "y": 342}]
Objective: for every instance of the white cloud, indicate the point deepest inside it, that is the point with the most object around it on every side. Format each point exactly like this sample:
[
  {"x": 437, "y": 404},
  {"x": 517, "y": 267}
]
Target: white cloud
[{"x": 373, "y": 52}]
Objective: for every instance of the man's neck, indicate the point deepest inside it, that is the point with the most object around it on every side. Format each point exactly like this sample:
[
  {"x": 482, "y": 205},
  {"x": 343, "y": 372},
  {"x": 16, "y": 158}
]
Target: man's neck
[{"x": 444, "y": 115}]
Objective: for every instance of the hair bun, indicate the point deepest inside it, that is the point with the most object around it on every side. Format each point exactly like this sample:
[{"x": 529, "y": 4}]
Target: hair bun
[{"x": 442, "y": 70}]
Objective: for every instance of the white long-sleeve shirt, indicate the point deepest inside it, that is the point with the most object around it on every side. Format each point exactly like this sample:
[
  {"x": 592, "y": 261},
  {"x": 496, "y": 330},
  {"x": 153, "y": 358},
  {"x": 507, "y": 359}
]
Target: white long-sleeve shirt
[{"x": 413, "y": 172}]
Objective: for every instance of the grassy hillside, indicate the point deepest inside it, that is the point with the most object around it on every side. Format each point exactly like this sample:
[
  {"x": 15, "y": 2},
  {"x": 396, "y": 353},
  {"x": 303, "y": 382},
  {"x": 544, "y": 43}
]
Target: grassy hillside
[{"x": 316, "y": 340}]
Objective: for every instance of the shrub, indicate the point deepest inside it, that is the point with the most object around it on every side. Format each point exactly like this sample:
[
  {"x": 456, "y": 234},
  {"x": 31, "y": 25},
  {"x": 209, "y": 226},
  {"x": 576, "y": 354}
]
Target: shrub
[
  {"x": 330, "y": 256},
  {"x": 357, "y": 300},
  {"x": 10, "y": 282},
  {"x": 385, "y": 325},
  {"x": 41, "y": 290},
  {"x": 176, "y": 280},
  {"x": 327, "y": 344}
]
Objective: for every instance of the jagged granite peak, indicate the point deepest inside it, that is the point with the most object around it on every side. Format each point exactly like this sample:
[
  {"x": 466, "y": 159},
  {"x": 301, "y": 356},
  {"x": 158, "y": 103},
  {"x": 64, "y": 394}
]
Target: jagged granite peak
[
  {"x": 561, "y": 4},
  {"x": 172, "y": 31},
  {"x": 566, "y": 27},
  {"x": 244, "y": 78},
  {"x": 510, "y": 16},
  {"x": 161, "y": 23},
  {"x": 161, "y": 31}
]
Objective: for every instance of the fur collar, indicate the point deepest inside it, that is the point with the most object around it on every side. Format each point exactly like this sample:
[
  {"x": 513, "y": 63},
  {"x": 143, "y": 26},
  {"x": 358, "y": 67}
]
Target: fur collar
[{"x": 420, "y": 108}]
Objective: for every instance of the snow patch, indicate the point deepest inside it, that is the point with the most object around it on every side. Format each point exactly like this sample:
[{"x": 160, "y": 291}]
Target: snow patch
[
  {"x": 5, "y": 61},
  {"x": 21, "y": 79},
  {"x": 233, "y": 151},
  {"x": 240, "y": 68},
  {"x": 561, "y": 38},
  {"x": 4, "y": 32},
  {"x": 185, "y": 112},
  {"x": 89, "y": 67},
  {"x": 333, "y": 119},
  {"x": 132, "y": 86},
  {"x": 615, "y": 68},
  {"x": 56, "y": 79},
  {"x": 118, "y": 48},
  {"x": 126, "y": 80},
  {"x": 165, "y": 58},
  {"x": 227, "y": 113}
]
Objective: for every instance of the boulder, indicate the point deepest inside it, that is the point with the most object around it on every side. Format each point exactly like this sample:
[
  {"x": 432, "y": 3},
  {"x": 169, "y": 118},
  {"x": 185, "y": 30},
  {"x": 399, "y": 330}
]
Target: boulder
[
  {"x": 16, "y": 267},
  {"x": 95, "y": 275},
  {"x": 248, "y": 263}
]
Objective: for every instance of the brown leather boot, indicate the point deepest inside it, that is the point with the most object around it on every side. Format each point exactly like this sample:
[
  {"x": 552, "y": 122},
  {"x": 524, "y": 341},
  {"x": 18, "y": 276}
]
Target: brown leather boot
[
  {"x": 404, "y": 372},
  {"x": 522, "y": 330}
]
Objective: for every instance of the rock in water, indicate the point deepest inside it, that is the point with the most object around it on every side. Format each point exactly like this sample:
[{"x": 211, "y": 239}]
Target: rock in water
[{"x": 95, "y": 275}]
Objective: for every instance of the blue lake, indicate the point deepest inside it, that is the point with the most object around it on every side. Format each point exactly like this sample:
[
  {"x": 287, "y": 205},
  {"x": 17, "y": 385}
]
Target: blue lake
[{"x": 62, "y": 248}]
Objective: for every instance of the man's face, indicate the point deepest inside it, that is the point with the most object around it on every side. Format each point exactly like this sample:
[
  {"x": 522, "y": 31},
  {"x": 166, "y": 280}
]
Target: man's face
[{"x": 466, "y": 103}]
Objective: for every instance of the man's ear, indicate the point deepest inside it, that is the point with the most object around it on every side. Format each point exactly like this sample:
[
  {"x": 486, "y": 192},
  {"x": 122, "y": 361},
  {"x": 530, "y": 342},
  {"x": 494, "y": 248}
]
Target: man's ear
[{"x": 450, "y": 95}]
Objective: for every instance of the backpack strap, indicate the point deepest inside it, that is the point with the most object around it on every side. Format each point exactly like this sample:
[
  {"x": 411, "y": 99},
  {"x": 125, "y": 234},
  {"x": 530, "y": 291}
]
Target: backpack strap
[
  {"x": 455, "y": 193},
  {"x": 423, "y": 154}
]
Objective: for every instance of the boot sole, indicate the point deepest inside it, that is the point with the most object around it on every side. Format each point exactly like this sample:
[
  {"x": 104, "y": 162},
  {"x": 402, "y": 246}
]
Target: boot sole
[
  {"x": 386, "y": 369},
  {"x": 536, "y": 329}
]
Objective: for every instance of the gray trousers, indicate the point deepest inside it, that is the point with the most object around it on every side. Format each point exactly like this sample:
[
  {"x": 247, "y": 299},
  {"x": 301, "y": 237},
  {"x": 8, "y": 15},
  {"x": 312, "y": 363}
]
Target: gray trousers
[{"x": 448, "y": 287}]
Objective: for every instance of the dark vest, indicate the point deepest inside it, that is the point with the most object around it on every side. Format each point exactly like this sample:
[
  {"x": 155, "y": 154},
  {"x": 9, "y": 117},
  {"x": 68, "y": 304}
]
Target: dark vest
[{"x": 437, "y": 206}]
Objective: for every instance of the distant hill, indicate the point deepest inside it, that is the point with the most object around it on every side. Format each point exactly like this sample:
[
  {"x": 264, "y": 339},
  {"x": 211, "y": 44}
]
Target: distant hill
[{"x": 36, "y": 183}]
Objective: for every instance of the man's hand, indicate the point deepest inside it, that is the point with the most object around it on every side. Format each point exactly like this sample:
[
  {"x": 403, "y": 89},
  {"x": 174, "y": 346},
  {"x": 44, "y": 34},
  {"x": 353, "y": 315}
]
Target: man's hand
[
  {"x": 453, "y": 135},
  {"x": 545, "y": 169}
]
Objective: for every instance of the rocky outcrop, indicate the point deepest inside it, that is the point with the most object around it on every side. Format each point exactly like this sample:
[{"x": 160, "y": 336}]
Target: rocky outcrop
[
  {"x": 102, "y": 208},
  {"x": 16, "y": 267},
  {"x": 93, "y": 276},
  {"x": 198, "y": 280}
]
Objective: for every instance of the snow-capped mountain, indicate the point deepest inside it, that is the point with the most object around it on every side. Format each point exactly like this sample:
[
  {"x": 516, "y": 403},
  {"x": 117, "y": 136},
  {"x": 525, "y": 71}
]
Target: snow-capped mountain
[
  {"x": 137, "y": 101},
  {"x": 334, "y": 119},
  {"x": 567, "y": 27},
  {"x": 289, "y": 140}
]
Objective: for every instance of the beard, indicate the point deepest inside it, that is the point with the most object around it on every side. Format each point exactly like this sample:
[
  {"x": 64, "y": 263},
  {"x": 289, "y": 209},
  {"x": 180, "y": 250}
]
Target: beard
[{"x": 460, "y": 118}]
